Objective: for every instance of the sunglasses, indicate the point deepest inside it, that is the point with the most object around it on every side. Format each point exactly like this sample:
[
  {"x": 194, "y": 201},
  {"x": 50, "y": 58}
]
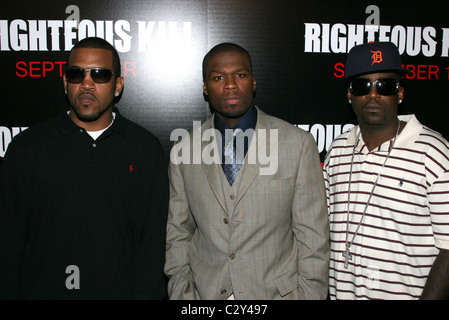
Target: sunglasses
[
  {"x": 99, "y": 75},
  {"x": 384, "y": 87}
]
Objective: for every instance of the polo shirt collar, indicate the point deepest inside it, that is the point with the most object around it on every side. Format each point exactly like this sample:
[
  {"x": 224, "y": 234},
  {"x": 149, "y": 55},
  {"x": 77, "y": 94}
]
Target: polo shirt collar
[
  {"x": 67, "y": 126},
  {"x": 407, "y": 136}
]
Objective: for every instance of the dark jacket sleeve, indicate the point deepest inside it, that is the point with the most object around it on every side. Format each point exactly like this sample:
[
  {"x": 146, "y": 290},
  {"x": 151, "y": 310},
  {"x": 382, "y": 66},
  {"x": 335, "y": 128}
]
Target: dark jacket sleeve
[{"x": 13, "y": 207}]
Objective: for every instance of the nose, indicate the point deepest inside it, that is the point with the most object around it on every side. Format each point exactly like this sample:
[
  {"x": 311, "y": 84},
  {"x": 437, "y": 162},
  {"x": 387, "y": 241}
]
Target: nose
[
  {"x": 230, "y": 83},
  {"x": 373, "y": 94},
  {"x": 87, "y": 83}
]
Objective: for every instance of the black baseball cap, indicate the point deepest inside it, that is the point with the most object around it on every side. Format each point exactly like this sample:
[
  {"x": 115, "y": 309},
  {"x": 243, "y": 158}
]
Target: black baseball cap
[{"x": 373, "y": 57}]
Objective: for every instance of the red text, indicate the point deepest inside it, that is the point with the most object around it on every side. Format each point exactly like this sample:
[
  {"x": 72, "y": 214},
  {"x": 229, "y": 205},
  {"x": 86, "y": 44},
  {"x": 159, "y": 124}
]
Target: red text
[
  {"x": 38, "y": 69},
  {"x": 421, "y": 71},
  {"x": 41, "y": 69}
]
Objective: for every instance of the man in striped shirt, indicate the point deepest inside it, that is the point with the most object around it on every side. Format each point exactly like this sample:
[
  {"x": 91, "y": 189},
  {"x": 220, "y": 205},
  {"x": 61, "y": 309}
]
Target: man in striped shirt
[{"x": 387, "y": 184}]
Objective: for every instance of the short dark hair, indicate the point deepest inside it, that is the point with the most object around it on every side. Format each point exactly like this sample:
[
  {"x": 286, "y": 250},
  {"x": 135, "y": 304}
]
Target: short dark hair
[
  {"x": 99, "y": 43},
  {"x": 225, "y": 47}
]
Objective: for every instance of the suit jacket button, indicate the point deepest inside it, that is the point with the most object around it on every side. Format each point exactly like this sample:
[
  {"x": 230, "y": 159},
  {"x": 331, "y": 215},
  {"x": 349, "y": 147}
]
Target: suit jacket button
[
  {"x": 232, "y": 197},
  {"x": 225, "y": 220},
  {"x": 232, "y": 256},
  {"x": 223, "y": 291}
]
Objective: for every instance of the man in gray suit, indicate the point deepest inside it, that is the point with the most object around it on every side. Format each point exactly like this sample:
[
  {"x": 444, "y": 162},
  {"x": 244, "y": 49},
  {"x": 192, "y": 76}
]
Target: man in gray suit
[{"x": 250, "y": 229}]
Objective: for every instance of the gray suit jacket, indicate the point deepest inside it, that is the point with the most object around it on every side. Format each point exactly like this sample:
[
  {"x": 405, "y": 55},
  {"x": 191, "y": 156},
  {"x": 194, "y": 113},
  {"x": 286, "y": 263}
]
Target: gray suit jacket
[{"x": 273, "y": 245}]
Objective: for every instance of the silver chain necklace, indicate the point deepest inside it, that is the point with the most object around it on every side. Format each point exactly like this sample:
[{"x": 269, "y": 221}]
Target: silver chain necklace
[{"x": 347, "y": 254}]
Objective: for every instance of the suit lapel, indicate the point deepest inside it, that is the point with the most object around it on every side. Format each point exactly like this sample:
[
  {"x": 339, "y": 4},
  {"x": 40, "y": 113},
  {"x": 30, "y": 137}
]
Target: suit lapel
[
  {"x": 251, "y": 171},
  {"x": 212, "y": 171}
]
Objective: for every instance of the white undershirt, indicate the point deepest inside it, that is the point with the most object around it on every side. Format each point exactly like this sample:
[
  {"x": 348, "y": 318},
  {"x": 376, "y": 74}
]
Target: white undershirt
[{"x": 96, "y": 134}]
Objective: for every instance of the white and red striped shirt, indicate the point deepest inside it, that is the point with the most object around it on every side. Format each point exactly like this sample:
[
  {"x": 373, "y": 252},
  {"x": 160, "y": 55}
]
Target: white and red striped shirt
[{"x": 406, "y": 221}]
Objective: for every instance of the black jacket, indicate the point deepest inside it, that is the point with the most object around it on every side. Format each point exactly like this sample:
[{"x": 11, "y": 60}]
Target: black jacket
[{"x": 83, "y": 219}]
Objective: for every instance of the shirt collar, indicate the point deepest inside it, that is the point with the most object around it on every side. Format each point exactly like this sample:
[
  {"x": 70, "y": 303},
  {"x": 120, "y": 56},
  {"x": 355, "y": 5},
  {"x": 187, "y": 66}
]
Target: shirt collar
[
  {"x": 248, "y": 121},
  {"x": 406, "y": 137},
  {"x": 67, "y": 126}
]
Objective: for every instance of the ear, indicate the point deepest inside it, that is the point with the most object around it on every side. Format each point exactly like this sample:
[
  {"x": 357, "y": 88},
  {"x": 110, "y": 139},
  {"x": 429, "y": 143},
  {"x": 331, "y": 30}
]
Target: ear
[
  {"x": 349, "y": 95},
  {"x": 401, "y": 94},
  {"x": 205, "y": 89},
  {"x": 254, "y": 84},
  {"x": 64, "y": 80},
  {"x": 119, "y": 82}
]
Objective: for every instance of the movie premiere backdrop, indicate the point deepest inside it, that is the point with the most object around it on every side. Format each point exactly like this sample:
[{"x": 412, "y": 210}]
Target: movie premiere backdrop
[{"x": 298, "y": 47}]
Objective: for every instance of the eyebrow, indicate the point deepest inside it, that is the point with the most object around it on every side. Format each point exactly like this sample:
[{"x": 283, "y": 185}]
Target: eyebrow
[
  {"x": 381, "y": 78},
  {"x": 235, "y": 71},
  {"x": 88, "y": 68}
]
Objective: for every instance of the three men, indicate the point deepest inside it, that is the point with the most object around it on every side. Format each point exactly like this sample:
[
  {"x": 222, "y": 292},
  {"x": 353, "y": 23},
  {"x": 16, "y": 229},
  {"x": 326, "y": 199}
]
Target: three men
[{"x": 87, "y": 191}]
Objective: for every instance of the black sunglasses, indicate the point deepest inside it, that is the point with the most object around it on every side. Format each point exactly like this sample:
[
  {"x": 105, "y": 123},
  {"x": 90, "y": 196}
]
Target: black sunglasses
[
  {"x": 99, "y": 75},
  {"x": 385, "y": 87}
]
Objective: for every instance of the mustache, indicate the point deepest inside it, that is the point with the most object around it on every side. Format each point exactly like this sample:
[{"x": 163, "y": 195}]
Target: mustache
[
  {"x": 88, "y": 94},
  {"x": 373, "y": 103}
]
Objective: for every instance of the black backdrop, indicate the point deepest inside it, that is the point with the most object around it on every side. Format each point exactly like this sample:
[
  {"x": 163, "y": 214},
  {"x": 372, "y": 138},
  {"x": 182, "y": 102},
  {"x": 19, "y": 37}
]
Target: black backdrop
[{"x": 298, "y": 49}]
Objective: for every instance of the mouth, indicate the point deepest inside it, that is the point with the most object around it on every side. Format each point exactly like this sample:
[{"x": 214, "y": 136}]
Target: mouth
[
  {"x": 372, "y": 107},
  {"x": 232, "y": 100},
  {"x": 86, "y": 99}
]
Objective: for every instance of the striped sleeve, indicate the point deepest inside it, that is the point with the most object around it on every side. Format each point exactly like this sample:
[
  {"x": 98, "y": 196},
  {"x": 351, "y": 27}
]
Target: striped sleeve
[{"x": 437, "y": 171}]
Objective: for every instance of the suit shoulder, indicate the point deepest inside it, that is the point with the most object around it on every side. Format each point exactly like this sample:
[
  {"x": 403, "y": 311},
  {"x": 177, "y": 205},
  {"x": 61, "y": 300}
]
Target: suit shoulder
[{"x": 286, "y": 127}]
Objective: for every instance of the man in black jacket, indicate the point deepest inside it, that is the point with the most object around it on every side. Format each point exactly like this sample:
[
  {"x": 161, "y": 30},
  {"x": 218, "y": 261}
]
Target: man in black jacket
[{"x": 84, "y": 195}]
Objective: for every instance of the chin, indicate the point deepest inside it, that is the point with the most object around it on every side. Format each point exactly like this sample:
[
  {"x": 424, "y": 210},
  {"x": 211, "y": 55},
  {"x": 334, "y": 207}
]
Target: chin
[
  {"x": 87, "y": 117},
  {"x": 235, "y": 113}
]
